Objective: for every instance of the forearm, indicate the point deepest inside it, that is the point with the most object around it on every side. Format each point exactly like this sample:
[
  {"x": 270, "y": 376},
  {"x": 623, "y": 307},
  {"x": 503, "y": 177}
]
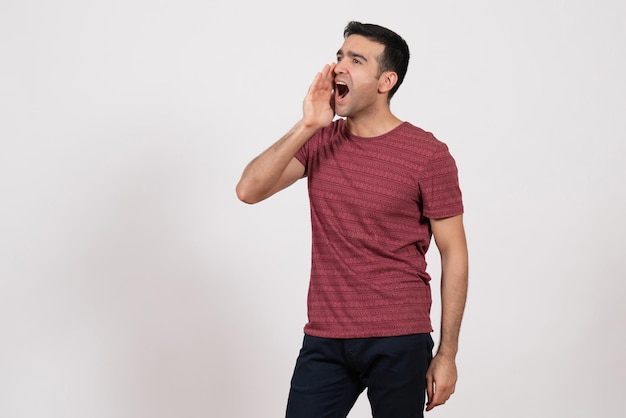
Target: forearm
[
  {"x": 454, "y": 283},
  {"x": 275, "y": 168},
  {"x": 263, "y": 174}
]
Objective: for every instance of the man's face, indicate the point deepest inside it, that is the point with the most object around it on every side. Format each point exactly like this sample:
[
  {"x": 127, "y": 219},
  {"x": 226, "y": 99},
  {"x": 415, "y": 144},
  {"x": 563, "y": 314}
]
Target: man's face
[{"x": 357, "y": 75}]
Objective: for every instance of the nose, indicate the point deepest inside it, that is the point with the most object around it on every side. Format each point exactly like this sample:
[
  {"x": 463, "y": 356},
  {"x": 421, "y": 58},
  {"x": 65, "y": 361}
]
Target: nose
[{"x": 339, "y": 67}]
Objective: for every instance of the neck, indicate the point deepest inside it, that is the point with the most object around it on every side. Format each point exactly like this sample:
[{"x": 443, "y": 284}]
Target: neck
[{"x": 372, "y": 125}]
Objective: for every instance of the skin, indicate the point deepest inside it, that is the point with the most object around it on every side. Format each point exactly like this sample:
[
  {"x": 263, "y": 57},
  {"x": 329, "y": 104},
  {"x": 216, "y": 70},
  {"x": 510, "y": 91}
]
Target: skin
[
  {"x": 441, "y": 376},
  {"x": 367, "y": 112}
]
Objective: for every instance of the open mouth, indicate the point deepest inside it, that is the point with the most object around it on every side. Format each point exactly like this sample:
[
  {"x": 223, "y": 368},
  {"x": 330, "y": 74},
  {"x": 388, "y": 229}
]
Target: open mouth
[{"x": 342, "y": 89}]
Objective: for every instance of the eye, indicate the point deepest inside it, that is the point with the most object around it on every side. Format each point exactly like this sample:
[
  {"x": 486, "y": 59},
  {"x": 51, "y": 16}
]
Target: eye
[
  {"x": 356, "y": 61},
  {"x": 339, "y": 58}
]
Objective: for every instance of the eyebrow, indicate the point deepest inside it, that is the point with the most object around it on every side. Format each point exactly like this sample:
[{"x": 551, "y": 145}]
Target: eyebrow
[{"x": 351, "y": 55}]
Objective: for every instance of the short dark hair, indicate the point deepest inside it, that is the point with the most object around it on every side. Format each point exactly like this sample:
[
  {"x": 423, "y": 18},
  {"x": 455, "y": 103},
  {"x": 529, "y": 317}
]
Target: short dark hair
[{"x": 395, "y": 56}]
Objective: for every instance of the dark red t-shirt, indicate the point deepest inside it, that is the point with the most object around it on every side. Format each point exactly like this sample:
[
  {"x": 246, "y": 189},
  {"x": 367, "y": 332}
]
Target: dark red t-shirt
[{"x": 371, "y": 199}]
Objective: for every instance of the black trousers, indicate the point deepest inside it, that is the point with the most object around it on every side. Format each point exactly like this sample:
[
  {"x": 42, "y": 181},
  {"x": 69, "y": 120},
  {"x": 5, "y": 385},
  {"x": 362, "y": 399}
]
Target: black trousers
[{"x": 330, "y": 374}]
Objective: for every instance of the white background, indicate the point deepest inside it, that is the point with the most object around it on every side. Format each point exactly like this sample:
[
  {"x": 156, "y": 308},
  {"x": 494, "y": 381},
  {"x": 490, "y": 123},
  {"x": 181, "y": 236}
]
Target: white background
[{"x": 134, "y": 284}]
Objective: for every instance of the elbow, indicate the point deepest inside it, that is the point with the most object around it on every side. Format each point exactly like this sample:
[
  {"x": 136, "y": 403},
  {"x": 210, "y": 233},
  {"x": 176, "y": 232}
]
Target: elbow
[{"x": 244, "y": 194}]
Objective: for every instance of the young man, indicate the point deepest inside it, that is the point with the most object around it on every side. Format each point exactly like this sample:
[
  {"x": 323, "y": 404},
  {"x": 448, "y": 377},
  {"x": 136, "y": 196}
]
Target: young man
[{"x": 379, "y": 188}]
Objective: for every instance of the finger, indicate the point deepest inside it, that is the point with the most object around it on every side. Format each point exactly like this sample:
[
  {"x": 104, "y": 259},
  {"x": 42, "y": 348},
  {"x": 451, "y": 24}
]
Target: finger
[
  {"x": 323, "y": 80},
  {"x": 328, "y": 77},
  {"x": 315, "y": 83},
  {"x": 442, "y": 394},
  {"x": 436, "y": 400},
  {"x": 331, "y": 70},
  {"x": 430, "y": 390},
  {"x": 325, "y": 71}
]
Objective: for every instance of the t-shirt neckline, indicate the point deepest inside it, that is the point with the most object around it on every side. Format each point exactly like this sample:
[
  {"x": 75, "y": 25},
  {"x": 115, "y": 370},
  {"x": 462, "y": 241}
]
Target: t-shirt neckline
[{"x": 350, "y": 135}]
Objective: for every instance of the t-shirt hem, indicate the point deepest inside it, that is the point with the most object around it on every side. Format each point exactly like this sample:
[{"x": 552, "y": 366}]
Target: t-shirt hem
[{"x": 343, "y": 334}]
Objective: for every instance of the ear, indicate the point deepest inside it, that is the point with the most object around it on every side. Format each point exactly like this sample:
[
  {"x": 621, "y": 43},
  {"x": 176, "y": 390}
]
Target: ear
[{"x": 386, "y": 81}]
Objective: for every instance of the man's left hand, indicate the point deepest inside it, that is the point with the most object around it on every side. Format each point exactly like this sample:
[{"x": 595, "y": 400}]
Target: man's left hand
[{"x": 440, "y": 380}]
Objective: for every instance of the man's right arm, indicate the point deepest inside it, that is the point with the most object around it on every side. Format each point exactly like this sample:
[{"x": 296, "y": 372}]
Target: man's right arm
[{"x": 277, "y": 168}]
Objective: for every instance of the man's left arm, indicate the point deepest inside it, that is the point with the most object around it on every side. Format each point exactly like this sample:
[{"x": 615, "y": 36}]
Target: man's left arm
[{"x": 441, "y": 377}]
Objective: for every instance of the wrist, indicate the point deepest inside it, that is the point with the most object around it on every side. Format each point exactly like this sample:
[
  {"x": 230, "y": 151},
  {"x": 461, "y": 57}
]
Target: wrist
[
  {"x": 309, "y": 125},
  {"x": 447, "y": 352}
]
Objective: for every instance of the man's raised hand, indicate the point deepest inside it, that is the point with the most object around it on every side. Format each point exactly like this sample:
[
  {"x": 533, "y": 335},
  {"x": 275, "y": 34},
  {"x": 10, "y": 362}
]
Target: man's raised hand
[{"x": 319, "y": 106}]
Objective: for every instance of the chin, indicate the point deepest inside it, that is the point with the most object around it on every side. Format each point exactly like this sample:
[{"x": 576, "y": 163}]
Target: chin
[{"x": 341, "y": 112}]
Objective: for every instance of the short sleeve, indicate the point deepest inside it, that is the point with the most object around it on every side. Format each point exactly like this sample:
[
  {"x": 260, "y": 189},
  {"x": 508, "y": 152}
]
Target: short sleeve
[
  {"x": 303, "y": 156},
  {"x": 439, "y": 186},
  {"x": 307, "y": 154}
]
